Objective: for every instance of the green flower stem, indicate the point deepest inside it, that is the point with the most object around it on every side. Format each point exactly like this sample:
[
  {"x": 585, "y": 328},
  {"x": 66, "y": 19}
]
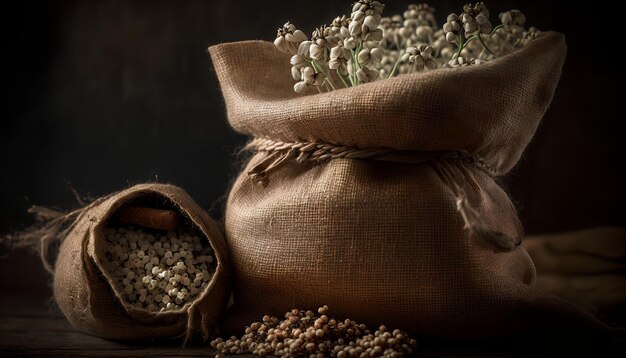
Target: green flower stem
[
  {"x": 395, "y": 66},
  {"x": 461, "y": 45},
  {"x": 342, "y": 78},
  {"x": 355, "y": 65},
  {"x": 470, "y": 39},
  {"x": 496, "y": 29},
  {"x": 327, "y": 75},
  {"x": 482, "y": 53},
  {"x": 398, "y": 42},
  {"x": 484, "y": 44},
  {"x": 320, "y": 69},
  {"x": 351, "y": 78},
  {"x": 326, "y": 83},
  {"x": 355, "y": 80},
  {"x": 458, "y": 53}
]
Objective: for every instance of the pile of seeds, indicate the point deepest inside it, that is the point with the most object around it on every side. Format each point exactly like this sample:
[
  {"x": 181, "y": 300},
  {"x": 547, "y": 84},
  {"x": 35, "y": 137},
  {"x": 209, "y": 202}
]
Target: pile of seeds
[
  {"x": 305, "y": 333},
  {"x": 156, "y": 270}
]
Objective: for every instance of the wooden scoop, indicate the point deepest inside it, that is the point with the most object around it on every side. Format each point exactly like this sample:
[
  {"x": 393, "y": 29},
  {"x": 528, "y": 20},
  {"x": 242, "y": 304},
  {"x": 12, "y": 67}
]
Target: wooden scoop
[{"x": 149, "y": 218}]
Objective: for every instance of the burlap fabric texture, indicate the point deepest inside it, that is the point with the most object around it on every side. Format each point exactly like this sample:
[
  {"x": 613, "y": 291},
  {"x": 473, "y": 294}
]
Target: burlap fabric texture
[
  {"x": 85, "y": 292},
  {"x": 380, "y": 200},
  {"x": 587, "y": 267}
]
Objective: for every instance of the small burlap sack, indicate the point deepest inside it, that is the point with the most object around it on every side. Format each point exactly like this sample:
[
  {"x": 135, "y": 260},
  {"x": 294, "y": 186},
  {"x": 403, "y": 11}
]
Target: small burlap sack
[
  {"x": 86, "y": 292},
  {"x": 380, "y": 200}
]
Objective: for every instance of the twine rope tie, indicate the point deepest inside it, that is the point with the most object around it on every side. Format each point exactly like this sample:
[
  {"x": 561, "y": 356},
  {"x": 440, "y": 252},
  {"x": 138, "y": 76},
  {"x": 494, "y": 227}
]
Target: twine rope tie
[{"x": 450, "y": 166}]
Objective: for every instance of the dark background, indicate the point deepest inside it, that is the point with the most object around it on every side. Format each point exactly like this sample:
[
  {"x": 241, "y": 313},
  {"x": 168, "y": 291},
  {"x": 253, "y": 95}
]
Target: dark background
[{"x": 103, "y": 94}]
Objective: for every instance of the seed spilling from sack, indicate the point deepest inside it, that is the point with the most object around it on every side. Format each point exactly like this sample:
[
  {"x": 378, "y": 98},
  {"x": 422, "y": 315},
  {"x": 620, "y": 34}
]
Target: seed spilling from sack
[
  {"x": 305, "y": 333},
  {"x": 158, "y": 270}
]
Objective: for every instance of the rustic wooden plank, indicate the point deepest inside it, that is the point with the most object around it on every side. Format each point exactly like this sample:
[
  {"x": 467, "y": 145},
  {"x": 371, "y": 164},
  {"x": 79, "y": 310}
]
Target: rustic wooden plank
[
  {"x": 44, "y": 336},
  {"x": 36, "y": 330},
  {"x": 54, "y": 336}
]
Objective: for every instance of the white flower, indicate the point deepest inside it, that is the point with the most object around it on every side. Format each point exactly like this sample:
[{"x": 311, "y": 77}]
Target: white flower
[
  {"x": 469, "y": 24},
  {"x": 484, "y": 25},
  {"x": 476, "y": 18},
  {"x": 339, "y": 27},
  {"x": 365, "y": 75},
  {"x": 301, "y": 87},
  {"x": 512, "y": 18},
  {"x": 349, "y": 43},
  {"x": 308, "y": 75},
  {"x": 304, "y": 48},
  {"x": 355, "y": 28},
  {"x": 288, "y": 38},
  {"x": 374, "y": 35},
  {"x": 390, "y": 26},
  {"x": 339, "y": 57},
  {"x": 390, "y": 58},
  {"x": 419, "y": 21},
  {"x": 365, "y": 18},
  {"x": 323, "y": 41},
  {"x": 296, "y": 73},
  {"x": 420, "y": 15},
  {"x": 420, "y": 57},
  {"x": 371, "y": 57},
  {"x": 308, "y": 79},
  {"x": 358, "y": 16},
  {"x": 406, "y": 32},
  {"x": 398, "y": 44},
  {"x": 452, "y": 28},
  {"x": 317, "y": 52},
  {"x": 368, "y": 7},
  {"x": 297, "y": 61},
  {"x": 424, "y": 31},
  {"x": 446, "y": 53},
  {"x": 462, "y": 62},
  {"x": 372, "y": 21},
  {"x": 479, "y": 8},
  {"x": 530, "y": 35},
  {"x": 323, "y": 36}
]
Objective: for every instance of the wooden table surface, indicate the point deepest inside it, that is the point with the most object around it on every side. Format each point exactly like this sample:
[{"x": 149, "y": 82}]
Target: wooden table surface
[
  {"x": 42, "y": 336},
  {"x": 32, "y": 329},
  {"x": 39, "y": 329}
]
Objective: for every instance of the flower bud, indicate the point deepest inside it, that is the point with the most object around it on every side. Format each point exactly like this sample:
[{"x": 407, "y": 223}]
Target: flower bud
[
  {"x": 296, "y": 74},
  {"x": 300, "y": 87},
  {"x": 355, "y": 28},
  {"x": 349, "y": 43},
  {"x": 297, "y": 60},
  {"x": 372, "y": 21},
  {"x": 358, "y": 16},
  {"x": 304, "y": 47},
  {"x": 450, "y": 37}
]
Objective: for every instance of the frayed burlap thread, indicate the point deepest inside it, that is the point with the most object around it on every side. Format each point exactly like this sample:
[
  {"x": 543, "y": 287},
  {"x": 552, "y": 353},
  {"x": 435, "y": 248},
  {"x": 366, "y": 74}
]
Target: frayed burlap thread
[{"x": 394, "y": 241}]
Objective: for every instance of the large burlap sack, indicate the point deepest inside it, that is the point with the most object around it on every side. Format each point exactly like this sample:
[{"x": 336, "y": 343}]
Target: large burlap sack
[
  {"x": 380, "y": 200},
  {"x": 85, "y": 291}
]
